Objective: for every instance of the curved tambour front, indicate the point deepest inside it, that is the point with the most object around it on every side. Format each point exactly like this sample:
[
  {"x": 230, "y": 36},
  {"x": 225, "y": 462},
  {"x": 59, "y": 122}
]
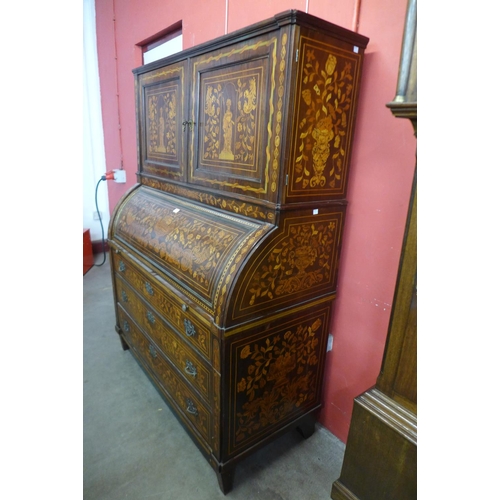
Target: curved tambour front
[{"x": 197, "y": 250}]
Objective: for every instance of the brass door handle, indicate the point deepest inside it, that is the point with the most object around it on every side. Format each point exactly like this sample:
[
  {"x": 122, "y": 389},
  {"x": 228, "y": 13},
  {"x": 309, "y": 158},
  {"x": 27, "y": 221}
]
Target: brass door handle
[{"x": 188, "y": 123}]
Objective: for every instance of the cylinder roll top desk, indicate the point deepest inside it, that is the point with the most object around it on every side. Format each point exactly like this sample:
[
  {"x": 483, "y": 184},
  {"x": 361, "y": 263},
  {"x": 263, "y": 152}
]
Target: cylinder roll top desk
[{"x": 225, "y": 254}]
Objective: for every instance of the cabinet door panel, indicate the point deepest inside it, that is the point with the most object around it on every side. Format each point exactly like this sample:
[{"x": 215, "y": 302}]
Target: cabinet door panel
[
  {"x": 275, "y": 375},
  {"x": 235, "y": 116},
  {"x": 162, "y": 108}
]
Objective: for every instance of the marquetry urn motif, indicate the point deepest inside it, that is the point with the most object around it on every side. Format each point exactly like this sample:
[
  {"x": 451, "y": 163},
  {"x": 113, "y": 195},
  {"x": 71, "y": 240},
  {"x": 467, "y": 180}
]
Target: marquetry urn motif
[
  {"x": 326, "y": 103},
  {"x": 225, "y": 254},
  {"x": 307, "y": 247},
  {"x": 277, "y": 375}
]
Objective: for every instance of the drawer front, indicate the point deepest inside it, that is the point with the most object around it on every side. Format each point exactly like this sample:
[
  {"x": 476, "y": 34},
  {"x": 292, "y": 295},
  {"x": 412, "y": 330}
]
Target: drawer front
[
  {"x": 189, "y": 406},
  {"x": 176, "y": 312},
  {"x": 177, "y": 352}
]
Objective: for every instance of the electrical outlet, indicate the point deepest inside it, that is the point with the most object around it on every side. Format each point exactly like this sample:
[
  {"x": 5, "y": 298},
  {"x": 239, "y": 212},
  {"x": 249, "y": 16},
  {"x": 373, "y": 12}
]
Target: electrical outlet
[
  {"x": 329, "y": 346},
  {"x": 119, "y": 176}
]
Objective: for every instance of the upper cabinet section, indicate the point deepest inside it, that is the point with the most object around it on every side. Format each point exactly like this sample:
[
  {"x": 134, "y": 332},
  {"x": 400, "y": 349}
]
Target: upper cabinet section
[{"x": 262, "y": 117}]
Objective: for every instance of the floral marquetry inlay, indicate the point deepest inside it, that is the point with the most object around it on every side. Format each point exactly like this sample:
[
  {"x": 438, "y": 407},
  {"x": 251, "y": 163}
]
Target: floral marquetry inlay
[
  {"x": 247, "y": 209},
  {"x": 324, "y": 119},
  {"x": 302, "y": 261},
  {"x": 194, "y": 244},
  {"x": 279, "y": 114},
  {"x": 276, "y": 376}
]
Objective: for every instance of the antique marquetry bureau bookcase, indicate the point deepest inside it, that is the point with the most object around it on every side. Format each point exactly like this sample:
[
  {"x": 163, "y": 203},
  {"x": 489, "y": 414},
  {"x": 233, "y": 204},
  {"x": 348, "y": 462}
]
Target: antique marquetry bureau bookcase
[{"x": 225, "y": 253}]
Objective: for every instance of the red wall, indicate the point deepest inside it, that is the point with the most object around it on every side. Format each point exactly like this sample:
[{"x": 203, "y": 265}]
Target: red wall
[{"x": 381, "y": 173}]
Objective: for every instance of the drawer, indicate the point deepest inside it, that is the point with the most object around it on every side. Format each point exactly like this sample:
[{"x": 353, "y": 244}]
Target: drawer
[
  {"x": 185, "y": 359},
  {"x": 175, "y": 311},
  {"x": 188, "y": 405}
]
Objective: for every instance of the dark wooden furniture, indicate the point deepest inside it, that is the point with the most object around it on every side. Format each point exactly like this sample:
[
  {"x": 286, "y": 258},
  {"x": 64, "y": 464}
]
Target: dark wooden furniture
[
  {"x": 88, "y": 256},
  {"x": 225, "y": 254},
  {"x": 380, "y": 460}
]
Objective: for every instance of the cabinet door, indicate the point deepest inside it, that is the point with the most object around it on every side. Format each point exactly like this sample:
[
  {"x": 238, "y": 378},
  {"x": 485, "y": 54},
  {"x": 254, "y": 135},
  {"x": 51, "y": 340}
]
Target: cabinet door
[
  {"x": 161, "y": 110},
  {"x": 237, "y": 97}
]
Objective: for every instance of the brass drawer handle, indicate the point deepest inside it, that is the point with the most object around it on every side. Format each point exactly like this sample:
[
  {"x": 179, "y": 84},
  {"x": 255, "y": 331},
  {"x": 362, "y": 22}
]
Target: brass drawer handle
[
  {"x": 122, "y": 267},
  {"x": 149, "y": 288},
  {"x": 189, "y": 328},
  {"x": 191, "y": 408},
  {"x": 190, "y": 369},
  {"x": 126, "y": 326},
  {"x": 151, "y": 317},
  {"x": 124, "y": 296},
  {"x": 152, "y": 351}
]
